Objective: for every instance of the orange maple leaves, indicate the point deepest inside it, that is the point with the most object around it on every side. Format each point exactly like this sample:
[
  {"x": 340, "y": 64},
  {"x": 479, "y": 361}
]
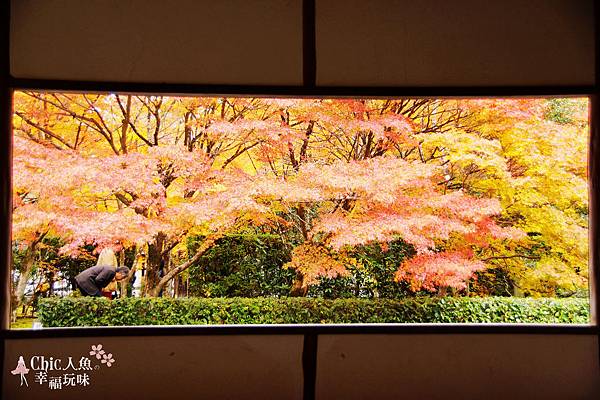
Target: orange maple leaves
[{"x": 346, "y": 161}]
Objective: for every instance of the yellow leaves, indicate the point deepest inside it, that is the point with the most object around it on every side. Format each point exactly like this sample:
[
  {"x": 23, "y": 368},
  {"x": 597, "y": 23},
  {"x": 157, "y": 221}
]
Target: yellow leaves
[
  {"x": 545, "y": 194},
  {"x": 152, "y": 212},
  {"x": 549, "y": 274},
  {"x": 217, "y": 188},
  {"x": 129, "y": 212},
  {"x": 175, "y": 192},
  {"x": 173, "y": 200}
]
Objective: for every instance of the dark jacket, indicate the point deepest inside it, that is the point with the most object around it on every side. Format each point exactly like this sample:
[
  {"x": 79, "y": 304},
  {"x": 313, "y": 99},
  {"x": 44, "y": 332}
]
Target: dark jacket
[{"x": 92, "y": 280}]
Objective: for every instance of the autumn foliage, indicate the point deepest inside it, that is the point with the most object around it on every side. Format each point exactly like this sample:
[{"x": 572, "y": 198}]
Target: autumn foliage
[{"x": 474, "y": 186}]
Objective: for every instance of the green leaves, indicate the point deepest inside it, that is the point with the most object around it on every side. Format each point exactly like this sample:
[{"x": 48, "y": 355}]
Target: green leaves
[
  {"x": 86, "y": 311},
  {"x": 241, "y": 265}
]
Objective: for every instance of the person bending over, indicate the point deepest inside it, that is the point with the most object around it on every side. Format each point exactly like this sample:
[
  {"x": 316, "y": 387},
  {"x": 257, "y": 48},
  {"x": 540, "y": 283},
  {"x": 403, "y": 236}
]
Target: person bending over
[{"x": 91, "y": 281}]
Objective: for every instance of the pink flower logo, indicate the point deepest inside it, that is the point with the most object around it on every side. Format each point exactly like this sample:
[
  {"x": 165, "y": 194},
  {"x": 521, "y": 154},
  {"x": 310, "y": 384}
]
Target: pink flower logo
[
  {"x": 108, "y": 359},
  {"x": 97, "y": 351}
]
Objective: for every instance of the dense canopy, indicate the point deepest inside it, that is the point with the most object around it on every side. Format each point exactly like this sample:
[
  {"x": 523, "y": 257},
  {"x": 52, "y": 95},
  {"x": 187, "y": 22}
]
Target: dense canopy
[{"x": 482, "y": 192}]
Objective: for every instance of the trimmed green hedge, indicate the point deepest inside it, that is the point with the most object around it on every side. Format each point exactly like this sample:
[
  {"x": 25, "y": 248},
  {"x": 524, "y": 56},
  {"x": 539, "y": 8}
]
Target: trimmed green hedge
[{"x": 62, "y": 312}]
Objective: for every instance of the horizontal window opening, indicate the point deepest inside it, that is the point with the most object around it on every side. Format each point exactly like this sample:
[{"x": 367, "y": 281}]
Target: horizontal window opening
[{"x": 161, "y": 210}]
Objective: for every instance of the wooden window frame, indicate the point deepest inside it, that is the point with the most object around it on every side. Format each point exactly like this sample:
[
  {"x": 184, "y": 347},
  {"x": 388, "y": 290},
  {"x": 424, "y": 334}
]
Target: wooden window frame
[{"x": 9, "y": 84}]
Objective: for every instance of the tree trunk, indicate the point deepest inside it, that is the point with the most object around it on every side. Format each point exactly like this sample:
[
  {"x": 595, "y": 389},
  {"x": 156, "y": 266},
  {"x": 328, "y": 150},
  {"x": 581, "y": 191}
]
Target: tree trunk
[
  {"x": 24, "y": 276},
  {"x": 187, "y": 133},
  {"x": 26, "y": 268},
  {"x": 125, "y": 125},
  {"x": 303, "y": 221},
  {"x": 298, "y": 288},
  {"x": 204, "y": 247},
  {"x": 155, "y": 259}
]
